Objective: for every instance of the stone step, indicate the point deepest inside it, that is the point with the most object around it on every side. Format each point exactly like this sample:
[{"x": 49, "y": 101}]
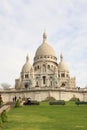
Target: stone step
[{"x": 5, "y": 107}]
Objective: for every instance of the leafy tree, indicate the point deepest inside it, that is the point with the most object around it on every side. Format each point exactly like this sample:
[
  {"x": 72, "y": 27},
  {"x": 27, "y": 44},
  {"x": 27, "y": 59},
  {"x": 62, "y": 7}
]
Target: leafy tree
[
  {"x": 17, "y": 103},
  {"x": 0, "y": 122},
  {"x": 4, "y": 116}
]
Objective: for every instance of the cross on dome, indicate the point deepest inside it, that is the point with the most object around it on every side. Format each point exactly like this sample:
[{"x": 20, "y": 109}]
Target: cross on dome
[
  {"x": 44, "y": 37},
  {"x": 61, "y": 57},
  {"x": 27, "y": 58}
]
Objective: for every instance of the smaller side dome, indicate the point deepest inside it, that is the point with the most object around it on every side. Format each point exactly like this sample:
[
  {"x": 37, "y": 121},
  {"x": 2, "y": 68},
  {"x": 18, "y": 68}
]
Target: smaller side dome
[
  {"x": 32, "y": 69},
  {"x": 62, "y": 66},
  {"x": 27, "y": 66}
]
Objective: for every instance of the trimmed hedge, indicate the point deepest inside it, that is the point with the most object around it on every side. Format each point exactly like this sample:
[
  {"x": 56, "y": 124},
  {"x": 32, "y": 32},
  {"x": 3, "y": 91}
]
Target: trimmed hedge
[
  {"x": 61, "y": 102},
  {"x": 35, "y": 103},
  {"x": 81, "y": 103}
]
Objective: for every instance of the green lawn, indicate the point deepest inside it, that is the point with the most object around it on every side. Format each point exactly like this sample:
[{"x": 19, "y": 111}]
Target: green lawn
[{"x": 46, "y": 117}]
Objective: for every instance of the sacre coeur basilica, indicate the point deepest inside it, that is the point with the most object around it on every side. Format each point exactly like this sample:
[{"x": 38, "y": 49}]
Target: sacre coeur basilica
[
  {"x": 45, "y": 78},
  {"x": 45, "y": 71}
]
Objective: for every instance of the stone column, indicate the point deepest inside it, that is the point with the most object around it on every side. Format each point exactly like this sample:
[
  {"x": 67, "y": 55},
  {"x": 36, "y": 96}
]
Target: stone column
[
  {"x": 41, "y": 82},
  {"x": 47, "y": 82}
]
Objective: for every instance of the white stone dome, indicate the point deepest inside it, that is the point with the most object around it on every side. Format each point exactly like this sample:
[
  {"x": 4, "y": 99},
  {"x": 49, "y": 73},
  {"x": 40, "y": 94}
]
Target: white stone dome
[
  {"x": 62, "y": 66},
  {"x": 45, "y": 49},
  {"x": 27, "y": 66}
]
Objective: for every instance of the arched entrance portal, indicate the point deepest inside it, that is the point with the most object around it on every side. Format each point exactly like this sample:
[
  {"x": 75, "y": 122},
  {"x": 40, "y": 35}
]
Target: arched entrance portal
[{"x": 26, "y": 85}]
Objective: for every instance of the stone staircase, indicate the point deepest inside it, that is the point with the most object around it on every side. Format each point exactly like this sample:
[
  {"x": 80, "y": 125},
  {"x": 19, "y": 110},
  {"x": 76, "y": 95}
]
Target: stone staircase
[{"x": 5, "y": 107}]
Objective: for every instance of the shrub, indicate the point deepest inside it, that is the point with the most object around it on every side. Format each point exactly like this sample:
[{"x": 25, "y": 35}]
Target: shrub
[
  {"x": 74, "y": 99},
  {"x": 17, "y": 104},
  {"x": 0, "y": 122},
  {"x": 60, "y": 102},
  {"x": 35, "y": 103},
  {"x": 50, "y": 99},
  {"x": 4, "y": 116},
  {"x": 80, "y": 103}
]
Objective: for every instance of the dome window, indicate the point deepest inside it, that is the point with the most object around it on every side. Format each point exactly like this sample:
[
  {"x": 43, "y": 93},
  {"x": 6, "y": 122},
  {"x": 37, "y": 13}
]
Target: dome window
[
  {"x": 44, "y": 68},
  {"x": 48, "y": 66}
]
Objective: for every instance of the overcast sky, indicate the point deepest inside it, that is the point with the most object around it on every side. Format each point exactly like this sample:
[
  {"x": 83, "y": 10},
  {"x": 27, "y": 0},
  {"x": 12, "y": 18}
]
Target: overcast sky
[{"x": 22, "y": 23}]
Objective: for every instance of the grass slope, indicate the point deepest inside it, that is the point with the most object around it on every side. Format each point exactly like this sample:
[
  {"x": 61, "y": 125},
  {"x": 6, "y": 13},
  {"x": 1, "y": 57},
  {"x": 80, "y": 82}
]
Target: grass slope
[{"x": 46, "y": 117}]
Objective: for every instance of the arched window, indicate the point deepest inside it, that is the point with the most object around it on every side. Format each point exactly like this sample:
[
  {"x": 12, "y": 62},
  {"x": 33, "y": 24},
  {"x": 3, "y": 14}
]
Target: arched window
[
  {"x": 63, "y": 85},
  {"x": 37, "y": 84},
  {"x": 35, "y": 68},
  {"x": 48, "y": 66},
  {"x": 51, "y": 83},
  {"x": 26, "y": 75},
  {"x": 62, "y": 75},
  {"x": 44, "y": 68},
  {"x": 38, "y": 67},
  {"x": 44, "y": 79}
]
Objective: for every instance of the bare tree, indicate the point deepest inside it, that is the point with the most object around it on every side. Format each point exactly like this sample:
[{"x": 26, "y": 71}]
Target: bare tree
[{"x": 6, "y": 86}]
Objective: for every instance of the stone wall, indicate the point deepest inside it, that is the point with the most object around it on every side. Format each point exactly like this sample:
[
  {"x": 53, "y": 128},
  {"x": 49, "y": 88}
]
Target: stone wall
[{"x": 42, "y": 94}]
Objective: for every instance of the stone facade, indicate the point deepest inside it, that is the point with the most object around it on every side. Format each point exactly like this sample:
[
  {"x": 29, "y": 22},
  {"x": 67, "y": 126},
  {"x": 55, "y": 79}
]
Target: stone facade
[
  {"x": 45, "y": 72},
  {"x": 45, "y": 78}
]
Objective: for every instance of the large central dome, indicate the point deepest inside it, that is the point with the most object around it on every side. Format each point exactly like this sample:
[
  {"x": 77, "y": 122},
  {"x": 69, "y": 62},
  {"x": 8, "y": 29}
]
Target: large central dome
[{"x": 45, "y": 49}]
